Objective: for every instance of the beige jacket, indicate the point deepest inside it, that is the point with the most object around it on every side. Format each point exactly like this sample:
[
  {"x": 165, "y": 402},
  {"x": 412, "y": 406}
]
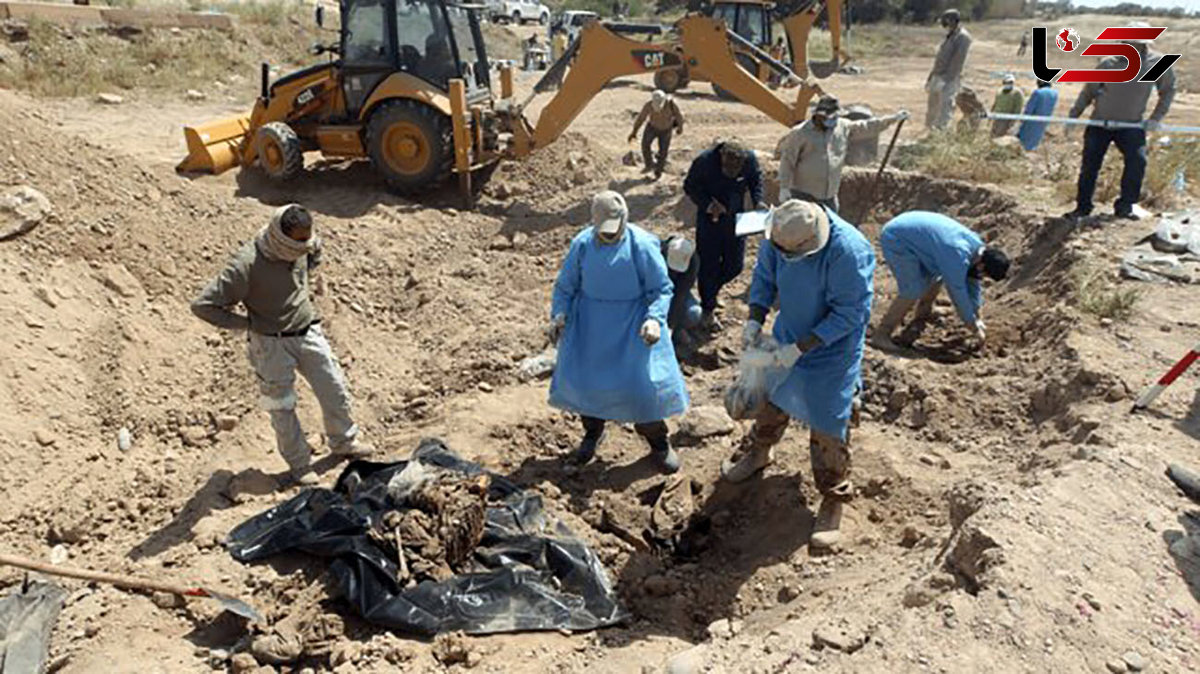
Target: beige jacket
[
  {"x": 811, "y": 159},
  {"x": 662, "y": 120}
]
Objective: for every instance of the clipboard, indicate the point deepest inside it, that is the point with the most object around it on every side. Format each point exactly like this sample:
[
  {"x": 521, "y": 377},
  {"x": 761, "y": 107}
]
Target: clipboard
[{"x": 751, "y": 222}]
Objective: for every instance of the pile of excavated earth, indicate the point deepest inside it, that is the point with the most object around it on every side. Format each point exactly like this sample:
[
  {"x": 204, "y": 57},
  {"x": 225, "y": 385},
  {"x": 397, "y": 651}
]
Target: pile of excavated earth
[{"x": 1010, "y": 515}]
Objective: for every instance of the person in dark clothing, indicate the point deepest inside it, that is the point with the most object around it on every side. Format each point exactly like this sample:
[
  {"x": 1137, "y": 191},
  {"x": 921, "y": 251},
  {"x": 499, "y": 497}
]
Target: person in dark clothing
[
  {"x": 717, "y": 183},
  {"x": 683, "y": 267}
]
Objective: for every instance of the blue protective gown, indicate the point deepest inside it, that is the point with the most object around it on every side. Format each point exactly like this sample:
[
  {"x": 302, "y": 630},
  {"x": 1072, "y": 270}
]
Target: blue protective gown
[
  {"x": 604, "y": 368},
  {"x": 1041, "y": 103},
  {"x": 922, "y": 247},
  {"x": 827, "y": 295}
]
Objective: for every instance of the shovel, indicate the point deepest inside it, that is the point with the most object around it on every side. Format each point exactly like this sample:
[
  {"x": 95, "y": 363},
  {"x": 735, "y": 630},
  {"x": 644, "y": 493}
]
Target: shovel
[
  {"x": 869, "y": 201},
  {"x": 231, "y": 604}
]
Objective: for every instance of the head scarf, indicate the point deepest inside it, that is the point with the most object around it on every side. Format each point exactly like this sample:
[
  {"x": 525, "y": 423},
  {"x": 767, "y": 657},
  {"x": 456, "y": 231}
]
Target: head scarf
[{"x": 279, "y": 246}]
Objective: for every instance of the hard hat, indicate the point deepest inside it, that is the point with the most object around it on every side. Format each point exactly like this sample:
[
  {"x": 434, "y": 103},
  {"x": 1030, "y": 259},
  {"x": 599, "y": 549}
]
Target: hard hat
[
  {"x": 1009, "y": 79},
  {"x": 798, "y": 226},
  {"x": 609, "y": 212}
]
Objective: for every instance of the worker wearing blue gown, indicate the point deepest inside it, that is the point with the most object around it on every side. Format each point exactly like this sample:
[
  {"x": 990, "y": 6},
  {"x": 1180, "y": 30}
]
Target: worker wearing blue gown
[
  {"x": 925, "y": 251},
  {"x": 819, "y": 269},
  {"x": 609, "y": 317},
  {"x": 1041, "y": 103}
]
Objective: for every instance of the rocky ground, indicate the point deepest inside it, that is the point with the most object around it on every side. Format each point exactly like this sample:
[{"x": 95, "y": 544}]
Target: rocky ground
[{"x": 1012, "y": 514}]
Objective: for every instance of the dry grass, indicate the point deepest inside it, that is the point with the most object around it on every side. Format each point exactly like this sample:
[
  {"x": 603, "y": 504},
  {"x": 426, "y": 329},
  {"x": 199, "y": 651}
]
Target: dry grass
[
  {"x": 56, "y": 62},
  {"x": 1097, "y": 294},
  {"x": 1158, "y": 188},
  {"x": 965, "y": 155},
  {"x": 871, "y": 43}
]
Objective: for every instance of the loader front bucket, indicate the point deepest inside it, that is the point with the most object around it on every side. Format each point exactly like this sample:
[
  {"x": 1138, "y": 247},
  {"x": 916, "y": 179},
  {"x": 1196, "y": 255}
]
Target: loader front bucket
[{"x": 214, "y": 147}]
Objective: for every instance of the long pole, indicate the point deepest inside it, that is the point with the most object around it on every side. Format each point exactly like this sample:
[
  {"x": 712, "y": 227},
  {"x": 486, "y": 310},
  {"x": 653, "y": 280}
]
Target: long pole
[
  {"x": 1103, "y": 123},
  {"x": 870, "y": 200}
]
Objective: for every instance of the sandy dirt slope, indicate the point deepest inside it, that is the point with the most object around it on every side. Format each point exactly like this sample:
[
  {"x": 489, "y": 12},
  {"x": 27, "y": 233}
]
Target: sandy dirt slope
[{"x": 1013, "y": 516}]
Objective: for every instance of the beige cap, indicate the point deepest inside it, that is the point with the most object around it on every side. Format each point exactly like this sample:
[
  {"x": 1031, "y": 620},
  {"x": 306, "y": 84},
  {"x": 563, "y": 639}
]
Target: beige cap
[
  {"x": 798, "y": 226},
  {"x": 609, "y": 212},
  {"x": 679, "y": 254}
]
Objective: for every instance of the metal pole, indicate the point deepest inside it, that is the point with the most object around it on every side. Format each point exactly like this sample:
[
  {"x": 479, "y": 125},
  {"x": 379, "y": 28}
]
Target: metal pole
[{"x": 1104, "y": 123}]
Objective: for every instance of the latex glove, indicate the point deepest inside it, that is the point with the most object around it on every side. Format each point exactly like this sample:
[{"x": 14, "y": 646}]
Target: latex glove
[
  {"x": 979, "y": 330},
  {"x": 902, "y": 115},
  {"x": 1151, "y": 125},
  {"x": 787, "y": 355},
  {"x": 555, "y": 329},
  {"x": 761, "y": 206},
  {"x": 751, "y": 334},
  {"x": 651, "y": 332}
]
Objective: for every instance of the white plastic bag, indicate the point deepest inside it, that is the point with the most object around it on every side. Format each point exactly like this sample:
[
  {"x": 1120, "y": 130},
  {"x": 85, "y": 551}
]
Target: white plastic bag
[{"x": 758, "y": 375}]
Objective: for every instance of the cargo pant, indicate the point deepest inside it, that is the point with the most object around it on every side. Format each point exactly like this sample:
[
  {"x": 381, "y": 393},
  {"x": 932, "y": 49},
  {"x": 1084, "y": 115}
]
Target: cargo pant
[
  {"x": 939, "y": 107},
  {"x": 829, "y": 456},
  {"x": 663, "y": 137},
  {"x": 275, "y": 361}
]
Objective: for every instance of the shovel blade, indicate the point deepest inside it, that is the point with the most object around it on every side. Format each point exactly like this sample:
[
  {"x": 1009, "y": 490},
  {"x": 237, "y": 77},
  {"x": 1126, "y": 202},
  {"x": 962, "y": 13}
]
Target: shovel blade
[
  {"x": 214, "y": 147},
  {"x": 232, "y": 604}
]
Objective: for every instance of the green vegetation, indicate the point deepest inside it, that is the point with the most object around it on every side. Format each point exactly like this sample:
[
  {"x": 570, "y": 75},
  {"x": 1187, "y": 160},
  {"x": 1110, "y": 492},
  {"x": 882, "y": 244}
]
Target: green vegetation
[
  {"x": 963, "y": 154},
  {"x": 1097, "y": 294}
]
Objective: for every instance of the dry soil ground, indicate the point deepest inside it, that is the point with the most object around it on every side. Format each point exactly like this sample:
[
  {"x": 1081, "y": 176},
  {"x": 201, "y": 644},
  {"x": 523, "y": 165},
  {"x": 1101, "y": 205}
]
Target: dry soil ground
[{"x": 1012, "y": 515}]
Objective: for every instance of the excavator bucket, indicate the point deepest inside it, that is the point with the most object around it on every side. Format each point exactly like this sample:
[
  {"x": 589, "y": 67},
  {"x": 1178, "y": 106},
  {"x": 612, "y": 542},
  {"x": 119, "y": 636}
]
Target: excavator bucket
[
  {"x": 214, "y": 147},
  {"x": 823, "y": 69}
]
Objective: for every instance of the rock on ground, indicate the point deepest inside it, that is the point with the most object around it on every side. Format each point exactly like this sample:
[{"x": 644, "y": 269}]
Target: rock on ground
[
  {"x": 703, "y": 422},
  {"x": 839, "y": 637},
  {"x": 690, "y": 661},
  {"x": 21, "y": 209}
]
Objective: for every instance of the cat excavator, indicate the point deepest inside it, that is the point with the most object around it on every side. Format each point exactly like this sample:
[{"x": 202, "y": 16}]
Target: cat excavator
[
  {"x": 754, "y": 20},
  {"x": 410, "y": 87}
]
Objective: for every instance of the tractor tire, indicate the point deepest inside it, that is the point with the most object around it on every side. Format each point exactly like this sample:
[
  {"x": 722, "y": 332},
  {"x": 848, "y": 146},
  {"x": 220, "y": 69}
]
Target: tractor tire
[
  {"x": 411, "y": 145},
  {"x": 516, "y": 19},
  {"x": 670, "y": 80},
  {"x": 544, "y": 19},
  {"x": 279, "y": 151}
]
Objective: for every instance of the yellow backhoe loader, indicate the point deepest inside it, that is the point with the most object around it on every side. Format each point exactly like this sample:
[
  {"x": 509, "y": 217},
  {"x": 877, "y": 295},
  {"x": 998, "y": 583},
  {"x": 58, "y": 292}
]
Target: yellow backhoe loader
[
  {"x": 411, "y": 90},
  {"x": 753, "y": 21}
]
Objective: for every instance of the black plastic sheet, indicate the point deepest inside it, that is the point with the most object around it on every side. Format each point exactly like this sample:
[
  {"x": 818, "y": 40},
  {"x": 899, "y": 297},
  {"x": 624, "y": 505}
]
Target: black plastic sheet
[{"x": 530, "y": 574}]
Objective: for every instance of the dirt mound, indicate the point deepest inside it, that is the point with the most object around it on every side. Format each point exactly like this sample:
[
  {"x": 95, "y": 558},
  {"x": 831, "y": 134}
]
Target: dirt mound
[{"x": 550, "y": 174}]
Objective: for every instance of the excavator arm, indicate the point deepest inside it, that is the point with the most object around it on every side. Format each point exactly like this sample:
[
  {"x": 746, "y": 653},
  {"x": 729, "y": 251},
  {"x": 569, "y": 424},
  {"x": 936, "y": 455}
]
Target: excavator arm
[
  {"x": 600, "y": 55},
  {"x": 798, "y": 24}
]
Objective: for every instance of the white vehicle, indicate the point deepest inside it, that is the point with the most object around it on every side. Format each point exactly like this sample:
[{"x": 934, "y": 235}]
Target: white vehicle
[
  {"x": 518, "y": 11},
  {"x": 573, "y": 22}
]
